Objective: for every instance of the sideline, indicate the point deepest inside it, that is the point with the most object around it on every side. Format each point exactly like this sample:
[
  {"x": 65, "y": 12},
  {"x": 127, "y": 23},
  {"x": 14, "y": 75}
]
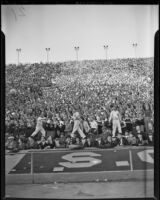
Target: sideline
[
  {"x": 74, "y": 150},
  {"x": 75, "y": 177},
  {"x": 127, "y": 189}
]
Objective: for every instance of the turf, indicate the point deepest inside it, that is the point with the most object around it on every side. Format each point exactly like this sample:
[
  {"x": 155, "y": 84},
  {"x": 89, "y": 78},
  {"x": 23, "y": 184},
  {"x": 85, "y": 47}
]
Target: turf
[{"x": 46, "y": 161}]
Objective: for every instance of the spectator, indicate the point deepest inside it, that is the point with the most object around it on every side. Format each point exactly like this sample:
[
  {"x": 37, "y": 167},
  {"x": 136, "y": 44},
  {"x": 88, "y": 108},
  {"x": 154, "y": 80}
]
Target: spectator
[
  {"x": 107, "y": 142},
  {"x": 68, "y": 127},
  {"x": 50, "y": 128},
  {"x": 132, "y": 140},
  {"x": 90, "y": 141},
  {"x": 140, "y": 139},
  {"x": 57, "y": 144},
  {"x": 43, "y": 143},
  {"x": 50, "y": 143},
  {"x": 67, "y": 141},
  {"x": 62, "y": 141},
  {"x": 86, "y": 127},
  {"x": 92, "y": 85},
  {"x": 93, "y": 125},
  {"x": 76, "y": 144},
  {"x": 147, "y": 117}
]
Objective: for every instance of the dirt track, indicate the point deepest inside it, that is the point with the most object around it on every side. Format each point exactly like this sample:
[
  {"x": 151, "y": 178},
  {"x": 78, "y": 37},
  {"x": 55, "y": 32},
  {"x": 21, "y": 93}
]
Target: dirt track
[{"x": 82, "y": 190}]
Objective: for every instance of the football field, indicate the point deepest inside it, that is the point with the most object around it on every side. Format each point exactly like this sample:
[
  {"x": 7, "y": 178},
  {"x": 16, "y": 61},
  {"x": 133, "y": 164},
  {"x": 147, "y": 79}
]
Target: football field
[{"x": 88, "y": 165}]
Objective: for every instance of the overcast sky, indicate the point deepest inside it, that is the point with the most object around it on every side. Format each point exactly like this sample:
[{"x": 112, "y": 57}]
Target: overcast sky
[{"x": 61, "y": 27}]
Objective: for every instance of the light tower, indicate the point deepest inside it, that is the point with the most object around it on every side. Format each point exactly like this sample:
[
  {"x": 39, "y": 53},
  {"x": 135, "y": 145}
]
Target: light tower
[
  {"x": 47, "y": 51},
  {"x": 18, "y": 52},
  {"x": 106, "y": 49},
  {"x": 135, "y": 47},
  {"x": 76, "y": 49}
]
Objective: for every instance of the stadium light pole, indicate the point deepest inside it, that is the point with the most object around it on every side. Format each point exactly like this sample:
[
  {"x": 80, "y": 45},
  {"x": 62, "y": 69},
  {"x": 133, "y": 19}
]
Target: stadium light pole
[
  {"x": 106, "y": 49},
  {"x": 47, "y": 50},
  {"x": 134, "y": 47},
  {"x": 18, "y": 52},
  {"x": 76, "y": 49}
]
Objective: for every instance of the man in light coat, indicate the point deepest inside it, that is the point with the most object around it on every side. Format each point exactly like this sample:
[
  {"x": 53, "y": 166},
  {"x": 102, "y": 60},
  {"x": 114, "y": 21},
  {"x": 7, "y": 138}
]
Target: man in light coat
[
  {"x": 115, "y": 119},
  {"x": 39, "y": 126},
  {"x": 77, "y": 126}
]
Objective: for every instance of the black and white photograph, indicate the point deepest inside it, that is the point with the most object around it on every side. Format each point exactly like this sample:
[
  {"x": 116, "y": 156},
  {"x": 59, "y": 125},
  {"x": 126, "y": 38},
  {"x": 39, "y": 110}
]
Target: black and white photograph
[{"x": 79, "y": 100}]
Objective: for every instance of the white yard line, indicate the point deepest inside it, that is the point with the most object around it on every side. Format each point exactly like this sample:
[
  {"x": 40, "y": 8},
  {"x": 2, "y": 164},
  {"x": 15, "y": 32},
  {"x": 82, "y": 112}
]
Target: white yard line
[{"x": 130, "y": 158}]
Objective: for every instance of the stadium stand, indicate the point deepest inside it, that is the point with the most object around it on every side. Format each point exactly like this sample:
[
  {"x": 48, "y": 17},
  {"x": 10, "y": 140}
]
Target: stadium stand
[{"x": 88, "y": 87}]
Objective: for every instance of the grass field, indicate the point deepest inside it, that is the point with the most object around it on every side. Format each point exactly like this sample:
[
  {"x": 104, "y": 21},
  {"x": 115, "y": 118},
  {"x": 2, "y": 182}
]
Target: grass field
[{"x": 108, "y": 160}]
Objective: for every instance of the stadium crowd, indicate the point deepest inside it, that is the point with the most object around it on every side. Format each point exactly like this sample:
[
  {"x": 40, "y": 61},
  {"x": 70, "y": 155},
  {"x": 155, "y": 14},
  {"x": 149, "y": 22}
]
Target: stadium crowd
[{"x": 89, "y": 90}]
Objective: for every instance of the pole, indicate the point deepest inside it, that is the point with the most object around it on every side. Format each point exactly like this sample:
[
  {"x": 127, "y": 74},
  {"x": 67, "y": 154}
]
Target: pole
[
  {"x": 18, "y": 57},
  {"x": 76, "y": 49},
  {"x": 18, "y": 51},
  {"x": 47, "y": 51},
  {"x": 77, "y": 55},
  {"x": 133, "y": 49},
  {"x": 130, "y": 159},
  {"x": 47, "y": 56},
  {"x": 106, "y": 53},
  {"x": 32, "y": 167},
  {"x": 135, "y": 46},
  {"x": 106, "y": 49}
]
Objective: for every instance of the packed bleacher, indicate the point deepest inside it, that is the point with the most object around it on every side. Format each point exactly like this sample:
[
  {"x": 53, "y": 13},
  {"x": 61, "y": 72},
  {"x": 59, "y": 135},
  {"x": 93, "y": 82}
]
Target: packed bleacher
[{"x": 90, "y": 88}]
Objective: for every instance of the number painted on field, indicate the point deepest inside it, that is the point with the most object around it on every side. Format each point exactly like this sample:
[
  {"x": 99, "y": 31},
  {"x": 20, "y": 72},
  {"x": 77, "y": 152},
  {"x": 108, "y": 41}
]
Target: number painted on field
[
  {"x": 145, "y": 155},
  {"x": 80, "y": 159}
]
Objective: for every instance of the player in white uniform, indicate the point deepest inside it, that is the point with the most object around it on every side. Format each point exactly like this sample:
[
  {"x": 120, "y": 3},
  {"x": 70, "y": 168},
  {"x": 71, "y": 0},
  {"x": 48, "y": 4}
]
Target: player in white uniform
[
  {"x": 39, "y": 126},
  {"x": 115, "y": 118}
]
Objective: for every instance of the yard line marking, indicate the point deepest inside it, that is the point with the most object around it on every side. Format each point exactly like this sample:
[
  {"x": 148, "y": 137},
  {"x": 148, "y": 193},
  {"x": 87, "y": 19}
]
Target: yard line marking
[
  {"x": 130, "y": 159},
  {"x": 122, "y": 163},
  {"x": 58, "y": 169}
]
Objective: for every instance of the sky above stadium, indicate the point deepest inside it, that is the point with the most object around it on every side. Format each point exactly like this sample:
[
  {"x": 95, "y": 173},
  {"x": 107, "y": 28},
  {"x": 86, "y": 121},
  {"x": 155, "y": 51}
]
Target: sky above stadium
[{"x": 62, "y": 27}]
